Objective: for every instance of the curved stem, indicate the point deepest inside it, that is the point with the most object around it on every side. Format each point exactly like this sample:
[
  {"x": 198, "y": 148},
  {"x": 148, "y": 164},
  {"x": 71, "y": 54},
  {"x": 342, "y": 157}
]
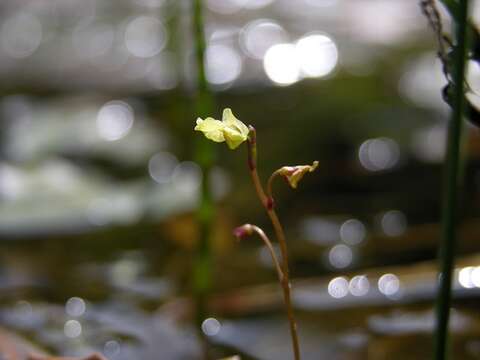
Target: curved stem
[
  {"x": 269, "y": 245},
  {"x": 270, "y": 184},
  {"x": 279, "y": 233}
]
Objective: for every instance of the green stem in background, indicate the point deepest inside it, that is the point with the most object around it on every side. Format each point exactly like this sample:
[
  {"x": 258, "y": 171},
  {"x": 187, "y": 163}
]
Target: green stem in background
[
  {"x": 267, "y": 203},
  {"x": 204, "y": 156},
  {"x": 451, "y": 186}
]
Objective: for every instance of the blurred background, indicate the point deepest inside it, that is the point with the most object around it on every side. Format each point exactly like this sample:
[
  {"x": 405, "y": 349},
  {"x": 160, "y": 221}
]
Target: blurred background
[{"x": 98, "y": 187}]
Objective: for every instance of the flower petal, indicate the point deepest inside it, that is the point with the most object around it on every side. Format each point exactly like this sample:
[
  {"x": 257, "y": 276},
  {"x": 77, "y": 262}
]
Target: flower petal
[
  {"x": 211, "y": 128},
  {"x": 209, "y": 124},
  {"x": 233, "y": 137},
  {"x": 228, "y": 117},
  {"x": 232, "y": 122}
]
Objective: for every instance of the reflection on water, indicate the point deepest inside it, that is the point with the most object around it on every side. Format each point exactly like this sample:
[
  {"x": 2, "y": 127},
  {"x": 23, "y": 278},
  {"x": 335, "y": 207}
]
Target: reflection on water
[
  {"x": 118, "y": 326},
  {"x": 134, "y": 316}
]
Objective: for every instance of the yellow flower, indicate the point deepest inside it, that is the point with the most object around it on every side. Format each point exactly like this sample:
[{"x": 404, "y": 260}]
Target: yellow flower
[
  {"x": 230, "y": 129},
  {"x": 293, "y": 174}
]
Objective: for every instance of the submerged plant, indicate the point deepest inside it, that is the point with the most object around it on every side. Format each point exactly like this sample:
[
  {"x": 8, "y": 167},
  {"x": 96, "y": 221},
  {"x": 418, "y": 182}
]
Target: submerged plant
[{"x": 234, "y": 133}]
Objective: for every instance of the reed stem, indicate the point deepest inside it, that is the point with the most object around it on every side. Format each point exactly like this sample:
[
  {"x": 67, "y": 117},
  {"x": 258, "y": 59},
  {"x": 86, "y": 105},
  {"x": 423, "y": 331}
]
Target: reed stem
[
  {"x": 204, "y": 156},
  {"x": 451, "y": 187}
]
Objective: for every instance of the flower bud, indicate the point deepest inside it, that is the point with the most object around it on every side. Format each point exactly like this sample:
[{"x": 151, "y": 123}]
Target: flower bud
[
  {"x": 293, "y": 174},
  {"x": 243, "y": 231}
]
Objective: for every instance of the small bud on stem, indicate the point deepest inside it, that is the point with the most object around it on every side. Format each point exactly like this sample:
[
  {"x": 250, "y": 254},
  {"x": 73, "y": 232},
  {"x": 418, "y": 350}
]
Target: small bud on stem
[
  {"x": 292, "y": 174},
  {"x": 243, "y": 231}
]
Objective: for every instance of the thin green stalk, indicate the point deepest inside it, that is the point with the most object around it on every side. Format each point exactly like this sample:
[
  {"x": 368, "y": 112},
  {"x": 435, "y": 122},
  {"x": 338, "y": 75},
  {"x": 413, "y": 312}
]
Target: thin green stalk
[
  {"x": 451, "y": 187},
  {"x": 204, "y": 156}
]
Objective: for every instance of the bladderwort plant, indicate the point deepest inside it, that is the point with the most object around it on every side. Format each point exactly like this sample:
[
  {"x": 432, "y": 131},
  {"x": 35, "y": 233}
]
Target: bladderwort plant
[{"x": 234, "y": 133}]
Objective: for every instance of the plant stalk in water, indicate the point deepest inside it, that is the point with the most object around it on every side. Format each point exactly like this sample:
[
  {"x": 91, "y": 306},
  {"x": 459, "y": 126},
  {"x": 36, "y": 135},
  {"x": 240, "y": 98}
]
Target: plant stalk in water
[{"x": 451, "y": 186}]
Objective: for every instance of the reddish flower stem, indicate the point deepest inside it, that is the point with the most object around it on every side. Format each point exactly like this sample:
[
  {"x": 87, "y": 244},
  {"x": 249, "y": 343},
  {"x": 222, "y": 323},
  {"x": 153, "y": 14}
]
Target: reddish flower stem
[{"x": 267, "y": 202}]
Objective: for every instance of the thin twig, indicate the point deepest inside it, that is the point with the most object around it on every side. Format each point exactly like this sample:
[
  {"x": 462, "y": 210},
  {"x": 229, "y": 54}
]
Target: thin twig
[{"x": 270, "y": 184}]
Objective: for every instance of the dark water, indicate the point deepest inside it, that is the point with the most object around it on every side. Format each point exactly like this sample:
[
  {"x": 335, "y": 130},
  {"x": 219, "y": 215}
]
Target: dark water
[{"x": 68, "y": 300}]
